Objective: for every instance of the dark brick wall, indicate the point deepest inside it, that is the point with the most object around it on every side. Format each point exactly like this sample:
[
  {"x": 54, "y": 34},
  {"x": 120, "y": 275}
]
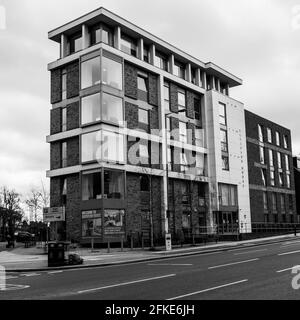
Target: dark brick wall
[
  {"x": 256, "y": 205},
  {"x": 297, "y": 188},
  {"x": 175, "y": 127},
  {"x": 55, "y": 192},
  {"x": 153, "y": 89},
  {"x": 131, "y": 115},
  {"x": 73, "y": 151},
  {"x": 55, "y": 121},
  {"x": 153, "y": 115},
  {"x": 73, "y": 116},
  {"x": 73, "y": 214},
  {"x": 191, "y": 133},
  {"x": 55, "y": 86},
  {"x": 190, "y": 96},
  {"x": 73, "y": 80},
  {"x": 130, "y": 74},
  {"x": 55, "y": 155},
  {"x": 253, "y": 157}
]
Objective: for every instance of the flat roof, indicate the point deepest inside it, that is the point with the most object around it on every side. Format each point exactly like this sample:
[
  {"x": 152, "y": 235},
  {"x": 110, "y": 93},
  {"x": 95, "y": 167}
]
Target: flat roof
[{"x": 104, "y": 15}]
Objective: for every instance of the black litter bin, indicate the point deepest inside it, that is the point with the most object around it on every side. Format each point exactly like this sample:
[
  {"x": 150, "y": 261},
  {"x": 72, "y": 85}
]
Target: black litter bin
[{"x": 56, "y": 254}]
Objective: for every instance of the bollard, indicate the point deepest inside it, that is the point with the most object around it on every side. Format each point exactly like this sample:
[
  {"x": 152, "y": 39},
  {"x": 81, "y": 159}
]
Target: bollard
[
  {"x": 131, "y": 242},
  {"x": 143, "y": 245},
  {"x": 122, "y": 244},
  {"x": 108, "y": 247},
  {"x": 92, "y": 244}
]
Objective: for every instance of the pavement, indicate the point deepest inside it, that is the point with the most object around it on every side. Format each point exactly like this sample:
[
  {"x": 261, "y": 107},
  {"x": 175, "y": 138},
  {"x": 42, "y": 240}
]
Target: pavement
[
  {"x": 251, "y": 270},
  {"x": 23, "y": 259}
]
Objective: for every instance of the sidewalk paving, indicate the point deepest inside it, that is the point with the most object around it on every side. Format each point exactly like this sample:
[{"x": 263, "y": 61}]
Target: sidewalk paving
[{"x": 35, "y": 259}]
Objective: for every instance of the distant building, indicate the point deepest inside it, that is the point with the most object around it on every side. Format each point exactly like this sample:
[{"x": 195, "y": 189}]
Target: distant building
[
  {"x": 296, "y": 162},
  {"x": 271, "y": 176}
]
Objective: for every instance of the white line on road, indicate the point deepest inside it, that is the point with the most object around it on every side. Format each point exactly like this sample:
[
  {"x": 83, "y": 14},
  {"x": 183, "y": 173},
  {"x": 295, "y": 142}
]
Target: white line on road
[
  {"x": 30, "y": 275},
  {"x": 286, "y": 253},
  {"x": 206, "y": 290},
  {"x": 290, "y": 242},
  {"x": 170, "y": 264},
  {"x": 233, "y": 263},
  {"x": 127, "y": 283},
  {"x": 54, "y": 272},
  {"x": 283, "y": 270},
  {"x": 236, "y": 254}
]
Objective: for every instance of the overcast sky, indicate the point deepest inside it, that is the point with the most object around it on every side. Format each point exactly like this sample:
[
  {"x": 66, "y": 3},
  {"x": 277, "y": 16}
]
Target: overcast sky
[{"x": 257, "y": 40}]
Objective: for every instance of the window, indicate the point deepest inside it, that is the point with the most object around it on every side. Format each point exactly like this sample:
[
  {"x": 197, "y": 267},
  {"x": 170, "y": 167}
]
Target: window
[
  {"x": 266, "y": 218},
  {"x": 64, "y": 191},
  {"x": 181, "y": 100},
  {"x": 274, "y": 202},
  {"x": 288, "y": 180},
  {"x": 224, "y": 144},
  {"x": 225, "y": 163},
  {"x": 144, "y": 153},
  {"x": 285, "y": 142},
  {"x": 197, "y": 109},
  {"x": 282, "y": 203},
  {"x": 223, "y": 88},
  {"x": 90, "y": 146},
  {"x": 279, "y": 160},
  {"x": 114, "y": 218},
  {"x": 169, "y": 158},
  {"x": 280, "y": 178},
  {"x": 90, "y": 73},
  {"x": 160, "y": 61},
  {"x": 287, "y": 164},
  {"x": 75, "y": 43},
  {"x": 261, "y": 155},
  {"x": 91, "y": 185},
  {"x": 199, "y": 137},
  {"x": 178, "y": 69},
  {"x": 143, "y": 116},
  {"x": 271, "y": 160},
  {"x": 90, "y": 109},
  {"x": 112, "y": 108},
  {"x": 227, "y": 195},
  {"x": 263, "y": 177},
  {"x": 260, "y": 133},
  {"x": 185, "y": 192},
  {"x": 64, "y": 84},
  {"x": 277, "y": 138},
  {"x": 145, "y": 183},
  {"x": 64, "y": 119},
  {"x": 142, "y": 83},
  {"x": 113, "y": 147},
  {"x": 107, "y": 35},
  {"x": 182, "y": 132},
  {"x": 146, "y": 54},
  {"x": 193, "y": 75},
  {"x": 222, "y": 113},
  {"x": 272, "y": 178},
  {"x": 112, "y": 73},
  {"x": 269, "y": 135},
  {"x": 184, "y": 167},
  {"x": 101, "y": 34},
  {"x": 167, "y": 95},
  {"x": 128, "y": 45},
  {"x": 200, "y": 164},
  {"x": 186, "y": 220},
  {"x": 291, "y": 205},
  {"x": 168, "y": 127},
  {"x": 265, "y": 201},
  {"x": 64, "y": 156},
  {"x": 114, "y": 184},
  {"x": 95, "y": 35},
  {"x": 91, "y": 223}
]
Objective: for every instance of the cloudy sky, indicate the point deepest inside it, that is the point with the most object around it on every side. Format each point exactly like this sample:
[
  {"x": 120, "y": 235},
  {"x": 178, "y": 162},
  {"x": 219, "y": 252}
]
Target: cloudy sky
[{"x": 257, "y": 40}]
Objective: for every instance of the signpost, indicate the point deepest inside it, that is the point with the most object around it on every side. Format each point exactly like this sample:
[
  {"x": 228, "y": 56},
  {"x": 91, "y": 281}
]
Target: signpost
[
  {"x": 168, "y": 242},
  {"x": 54, "y": 214}
]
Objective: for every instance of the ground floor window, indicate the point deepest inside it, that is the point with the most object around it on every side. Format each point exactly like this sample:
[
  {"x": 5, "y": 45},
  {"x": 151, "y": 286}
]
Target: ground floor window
[{"x": 91, "y": 223}]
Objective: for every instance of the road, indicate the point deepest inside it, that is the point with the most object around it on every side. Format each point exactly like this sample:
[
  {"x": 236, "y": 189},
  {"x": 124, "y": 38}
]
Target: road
[{"x": 261, "y": 272}]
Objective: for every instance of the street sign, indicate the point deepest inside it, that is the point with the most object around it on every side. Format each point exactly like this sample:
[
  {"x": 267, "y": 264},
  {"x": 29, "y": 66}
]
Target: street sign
[
  {"x": 54, "y": 214},
  {"x": 168, "y": 242}
]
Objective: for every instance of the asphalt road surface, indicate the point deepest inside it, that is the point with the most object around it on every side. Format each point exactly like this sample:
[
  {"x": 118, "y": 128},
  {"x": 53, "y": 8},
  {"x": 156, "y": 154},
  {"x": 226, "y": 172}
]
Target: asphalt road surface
[{"x": 261, "y": 272}]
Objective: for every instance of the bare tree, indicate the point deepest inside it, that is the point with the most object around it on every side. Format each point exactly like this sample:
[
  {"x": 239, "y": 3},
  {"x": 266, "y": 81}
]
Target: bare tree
[
  {"x": 44, "y": 196},
  {"x": 33, "y": 202}
]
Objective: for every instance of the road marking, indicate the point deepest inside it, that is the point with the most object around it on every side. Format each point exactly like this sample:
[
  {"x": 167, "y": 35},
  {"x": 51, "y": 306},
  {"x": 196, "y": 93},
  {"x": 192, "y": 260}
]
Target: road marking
[
  {"x": 170, "y": 264},
  {"x": 30, "y": 274},
  {"x": 236, "y": 254},
  {"x": 291, "y": 242},
  {"x": 127, "y": 283},
  {"x": 206, "y": 290},
  {"x": 12, "y": 287},
  {"x": 233, "y": 263},
  {"x": 54, "y": 272},
  {"x": 296, "y": 243},
  {"x": 10, "y": 277},
  {"x": 283, "y": 270},
  {"x": 286, "y": 253}
]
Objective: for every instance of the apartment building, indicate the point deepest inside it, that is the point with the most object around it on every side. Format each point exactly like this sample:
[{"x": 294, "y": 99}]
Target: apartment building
[
  {"x": 145, "y": 139},
  {"x": 271, "y": 177},
  {"x": 296, "y": 169}
]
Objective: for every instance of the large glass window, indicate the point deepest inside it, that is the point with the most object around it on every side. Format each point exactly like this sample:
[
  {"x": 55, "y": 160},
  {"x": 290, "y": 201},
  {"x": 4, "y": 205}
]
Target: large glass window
[
  {"x": 200, "y": 164},
  {"x": 269, "y": 135},
  {"x": 112, "y": 74},
  {"x": 199, "y": 137},
  {"x": 95, "y": 35},
  {"x": 224, "y": 143},
  {"x": 114, "y": 219},
  {"x": 279, "y": 160},
  {"x": 91, "y": 223},
  {"x": 287, "y": 164},
  {"x": 91, "y": 185},
  {"x": 280, "y": 177},
  {"x": 227, "y": 195},
  {"x": 260, "y": 133},
  {"x": 181, "y": 100},
  {"x": 90, "y": 73},
  {"x": 113, "y": 147},
  {"x": 285, "y": 141},
  {"x": 182, "y": 132},
  {"x": 107, "y": 35},
  {"x": 277, "y": 138},
  {"x": 75, "y": 43},
  {"x": 178, "y": 69},
  {"x": 90, "y": 109},
  {"x": 184, "y": 166},
  {"x": 143, "y": 116},
  {"x": 271, "y": 159},
  {"x": 265, "y": 201},
  {"x": 101, "y": 34},
  {"x": 288, "y": 180},
  {"x": 112, "y": 108},
  {"x": 160, "y": 61},
  {"x": 222, "y": 114},
  {"x": 142, "y": 83},
  {"x": 197, "y": 109},
  {"x": 261, "y": 155},
  {"x": 128, "y": 45},
  {"x": 64, "y": 119},
  {"x": 90, "y": 146},
  {"x": 263, "y": 177},
  {"x": 146, "y": 53},
  {"x": 272, "y": 178},
  {"x": 114, "y": 184},
  {"x": 225, "y": 163},
  {"x": 64, "y": 156}
]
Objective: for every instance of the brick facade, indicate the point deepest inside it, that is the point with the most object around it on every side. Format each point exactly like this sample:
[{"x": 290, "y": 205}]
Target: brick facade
[{"x": 73, "y": 80}]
